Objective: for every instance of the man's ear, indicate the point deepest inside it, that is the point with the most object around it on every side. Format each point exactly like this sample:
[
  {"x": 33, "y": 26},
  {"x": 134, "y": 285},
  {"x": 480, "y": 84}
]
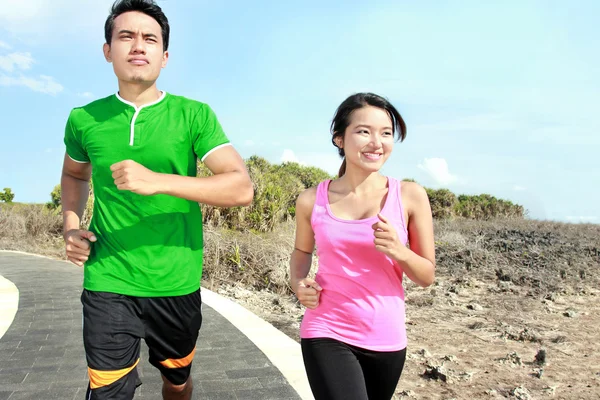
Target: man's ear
[
  {"x": 165, "y": 59},
  {"x": 106, "y": 50}
]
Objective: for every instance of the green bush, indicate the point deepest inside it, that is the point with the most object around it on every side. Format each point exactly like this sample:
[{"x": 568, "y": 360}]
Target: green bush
[
  {"x": 276, "y": 188},
  {"x": 7, "y": 195},
  {"x": 442, "y": 202},
  {"x": 55, "y": 201},
  {"x": 309, "y": 176},
  {"x": 445, "y": 205},
  {"x": 485, "y": 206},
  {"x": 55, "y": 204}
]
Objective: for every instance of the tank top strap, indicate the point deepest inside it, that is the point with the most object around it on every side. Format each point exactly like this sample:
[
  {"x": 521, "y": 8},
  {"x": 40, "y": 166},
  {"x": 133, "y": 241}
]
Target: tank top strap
[
  {"x": 322, "y": 197},
  {"x": 392, "y": 197},
  {"x": 396, "y": 207},
  {"x": 400, "y": 205}
]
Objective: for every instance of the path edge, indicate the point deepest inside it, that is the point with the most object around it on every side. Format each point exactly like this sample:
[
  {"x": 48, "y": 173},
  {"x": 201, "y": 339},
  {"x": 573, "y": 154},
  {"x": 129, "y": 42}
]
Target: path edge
[{"x": 284, "y": 352}]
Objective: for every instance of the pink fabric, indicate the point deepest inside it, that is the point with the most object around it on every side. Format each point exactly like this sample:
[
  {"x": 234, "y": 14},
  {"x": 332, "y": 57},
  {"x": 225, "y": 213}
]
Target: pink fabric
[{"x": 362, "y": 302}]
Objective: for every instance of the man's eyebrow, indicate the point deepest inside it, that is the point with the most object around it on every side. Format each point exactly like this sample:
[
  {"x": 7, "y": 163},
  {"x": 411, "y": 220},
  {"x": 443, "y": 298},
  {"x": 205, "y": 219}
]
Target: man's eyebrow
[{"x": 128, "y": 32}]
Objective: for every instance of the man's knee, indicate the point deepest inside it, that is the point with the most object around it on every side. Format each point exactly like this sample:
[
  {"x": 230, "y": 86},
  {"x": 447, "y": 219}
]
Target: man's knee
[{"x": 173, "y": 388}]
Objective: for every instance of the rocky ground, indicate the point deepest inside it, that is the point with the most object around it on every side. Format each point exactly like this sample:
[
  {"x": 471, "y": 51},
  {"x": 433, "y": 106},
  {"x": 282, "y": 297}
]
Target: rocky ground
[
  {"x": 469, "y": 339},
  {"x": 514, "y": 311}
]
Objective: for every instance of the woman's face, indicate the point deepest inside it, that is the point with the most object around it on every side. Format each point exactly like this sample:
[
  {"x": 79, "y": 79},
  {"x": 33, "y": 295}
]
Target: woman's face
[{"x": 369, "y": 139}]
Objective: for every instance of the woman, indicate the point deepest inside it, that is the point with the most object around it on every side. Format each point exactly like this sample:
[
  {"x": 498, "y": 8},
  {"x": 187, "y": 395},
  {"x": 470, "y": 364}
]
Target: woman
[{"x": 353, "y": 333}]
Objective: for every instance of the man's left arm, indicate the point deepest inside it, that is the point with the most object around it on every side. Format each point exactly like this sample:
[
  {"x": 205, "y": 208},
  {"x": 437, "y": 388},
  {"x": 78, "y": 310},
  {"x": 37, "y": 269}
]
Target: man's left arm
[{"x": 229, "y": 186}]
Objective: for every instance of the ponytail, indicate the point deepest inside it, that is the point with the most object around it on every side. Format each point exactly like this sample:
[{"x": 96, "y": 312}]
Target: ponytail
[{"x": 342, "y": 170}]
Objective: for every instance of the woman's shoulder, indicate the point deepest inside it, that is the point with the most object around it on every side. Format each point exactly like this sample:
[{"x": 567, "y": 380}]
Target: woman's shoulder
[
  {"x": 413, "y": 193},
  {"x": 412, "y": 188},
  {"x": 307, "y": 198}
]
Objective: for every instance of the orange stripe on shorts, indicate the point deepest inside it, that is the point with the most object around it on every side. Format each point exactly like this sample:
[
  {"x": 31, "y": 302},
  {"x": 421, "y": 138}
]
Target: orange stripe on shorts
[
  {"x": 100, "y": 379},
  {"x": 179, "y": 363}
]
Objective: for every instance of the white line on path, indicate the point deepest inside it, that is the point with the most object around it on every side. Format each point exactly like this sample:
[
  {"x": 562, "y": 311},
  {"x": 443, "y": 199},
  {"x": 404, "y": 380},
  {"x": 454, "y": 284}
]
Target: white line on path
[
  {"x": 9, "y": 304},
  {"x": 283, "y": 351}
]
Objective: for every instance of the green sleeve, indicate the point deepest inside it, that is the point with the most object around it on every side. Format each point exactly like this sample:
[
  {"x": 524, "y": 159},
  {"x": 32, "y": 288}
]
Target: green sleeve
[
  {"x": 207, "y": 132},
  {"x": 73, "y": 142}
]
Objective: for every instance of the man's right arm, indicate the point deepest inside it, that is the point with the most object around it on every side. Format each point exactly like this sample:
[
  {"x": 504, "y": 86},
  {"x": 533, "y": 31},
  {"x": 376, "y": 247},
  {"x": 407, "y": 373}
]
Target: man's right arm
[{"x": 75, "y": 183}]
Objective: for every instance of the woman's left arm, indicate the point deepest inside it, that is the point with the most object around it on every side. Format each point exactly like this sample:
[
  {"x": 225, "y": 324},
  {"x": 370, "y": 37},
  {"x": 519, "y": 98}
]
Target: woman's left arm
[{"x": 418, "y": 262}]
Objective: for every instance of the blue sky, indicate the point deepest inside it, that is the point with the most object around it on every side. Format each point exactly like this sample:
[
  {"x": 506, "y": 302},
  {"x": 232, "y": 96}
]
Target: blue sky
[{"x": 498, "y": 98}]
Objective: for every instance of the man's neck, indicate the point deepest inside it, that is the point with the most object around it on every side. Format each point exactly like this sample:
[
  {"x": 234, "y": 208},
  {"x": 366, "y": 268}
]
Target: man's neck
[{"x": 139, "y": 94}]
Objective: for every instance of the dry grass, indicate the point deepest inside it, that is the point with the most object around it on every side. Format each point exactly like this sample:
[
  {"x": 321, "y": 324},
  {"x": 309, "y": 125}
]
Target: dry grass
[
  {"x": 257, "y": 261},
  {"x": 504, "y": 290},
  {"x": 31, "y": 228},
  {"x": 543, "y": 257}
]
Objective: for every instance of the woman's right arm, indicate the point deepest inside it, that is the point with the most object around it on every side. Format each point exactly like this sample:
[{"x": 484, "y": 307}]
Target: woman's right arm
[{"x": 306, "y": 289}]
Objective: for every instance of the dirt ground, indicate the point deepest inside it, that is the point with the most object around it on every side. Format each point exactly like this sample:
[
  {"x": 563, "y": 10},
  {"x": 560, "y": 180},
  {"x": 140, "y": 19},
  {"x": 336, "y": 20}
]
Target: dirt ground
[
  {"x": 514, "y": 311},
  {"x": 469, "y": 339}
]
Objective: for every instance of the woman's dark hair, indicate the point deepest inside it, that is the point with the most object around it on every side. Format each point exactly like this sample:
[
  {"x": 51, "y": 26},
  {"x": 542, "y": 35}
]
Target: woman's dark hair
[
  {"x": 341, "y": 120},
  {"x": 148, "y": 7}
]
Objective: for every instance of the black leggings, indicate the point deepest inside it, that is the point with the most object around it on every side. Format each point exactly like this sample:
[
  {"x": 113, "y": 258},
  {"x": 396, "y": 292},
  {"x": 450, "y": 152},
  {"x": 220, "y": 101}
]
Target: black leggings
[{"x": 338, "y": 370}]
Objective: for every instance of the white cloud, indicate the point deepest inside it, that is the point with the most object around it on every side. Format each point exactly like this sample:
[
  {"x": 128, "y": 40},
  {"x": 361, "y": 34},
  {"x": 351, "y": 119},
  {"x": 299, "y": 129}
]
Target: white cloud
[
  {"x": 329, "y": 162},
  {"x": 4, "y": 45},
  {"x": 289, "y": 156},
  {"x": 13, "y": 64},
  {"x": 42, "y": 84},
  {"x": 518, "y": 188},
  {"x": 86, "y": 95},
  {"x": 12, "y": 61},
  {"x": 43, "y": 20},
  {"x": 437, "y": 169}
]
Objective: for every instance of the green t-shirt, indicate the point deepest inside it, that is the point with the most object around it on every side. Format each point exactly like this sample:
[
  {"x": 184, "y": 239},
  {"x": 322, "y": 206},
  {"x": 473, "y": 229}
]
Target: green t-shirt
[{"x": 146, "y": 246}]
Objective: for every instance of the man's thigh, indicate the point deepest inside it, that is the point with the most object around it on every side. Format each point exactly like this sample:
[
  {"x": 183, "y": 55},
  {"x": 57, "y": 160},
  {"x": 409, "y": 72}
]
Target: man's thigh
[
  {"x": 111, "y": 336},
  {"x": 172, "y": 328}
]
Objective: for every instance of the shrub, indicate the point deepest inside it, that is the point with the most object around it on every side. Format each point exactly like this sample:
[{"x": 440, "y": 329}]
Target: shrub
[
  {"x": 276, "y": 188},
  {"x": 309, "y": 176},
  {"x": 7, "y": 195},
  {"x": 55, "y": 204},
  {"x": 442, "y": 202},
  {"x": 55, "y": 200},
  {"x": 485, "y": 207}
]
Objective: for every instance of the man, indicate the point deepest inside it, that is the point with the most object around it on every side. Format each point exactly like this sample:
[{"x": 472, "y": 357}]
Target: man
[{"x": 143, "y": 251}]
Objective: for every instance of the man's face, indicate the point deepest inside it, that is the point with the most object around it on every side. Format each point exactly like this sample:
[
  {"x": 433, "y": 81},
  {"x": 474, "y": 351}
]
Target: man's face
[{"x": 136, "y": 49}]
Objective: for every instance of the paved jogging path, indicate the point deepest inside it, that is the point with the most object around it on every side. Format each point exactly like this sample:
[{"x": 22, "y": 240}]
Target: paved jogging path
[{"x": 42, "y": 357}]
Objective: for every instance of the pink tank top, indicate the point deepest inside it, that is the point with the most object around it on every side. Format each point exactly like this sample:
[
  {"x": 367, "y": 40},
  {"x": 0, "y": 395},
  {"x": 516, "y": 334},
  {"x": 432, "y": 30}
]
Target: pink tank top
[{"x": 362, "y": 301}]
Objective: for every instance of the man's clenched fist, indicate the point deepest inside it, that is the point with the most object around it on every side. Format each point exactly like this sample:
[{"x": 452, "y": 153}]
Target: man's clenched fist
[
  {"x": 132, "y": 176},
  {"x": 78, "y": 245}
]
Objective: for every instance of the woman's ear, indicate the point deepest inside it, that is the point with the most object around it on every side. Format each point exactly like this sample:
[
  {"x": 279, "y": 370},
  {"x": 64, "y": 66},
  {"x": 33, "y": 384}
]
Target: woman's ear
[{"x": 339, "y": 142}]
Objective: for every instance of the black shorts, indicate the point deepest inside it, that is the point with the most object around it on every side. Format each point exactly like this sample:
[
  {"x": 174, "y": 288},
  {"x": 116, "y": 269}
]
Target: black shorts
[{"x": 113, "y": 325}]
